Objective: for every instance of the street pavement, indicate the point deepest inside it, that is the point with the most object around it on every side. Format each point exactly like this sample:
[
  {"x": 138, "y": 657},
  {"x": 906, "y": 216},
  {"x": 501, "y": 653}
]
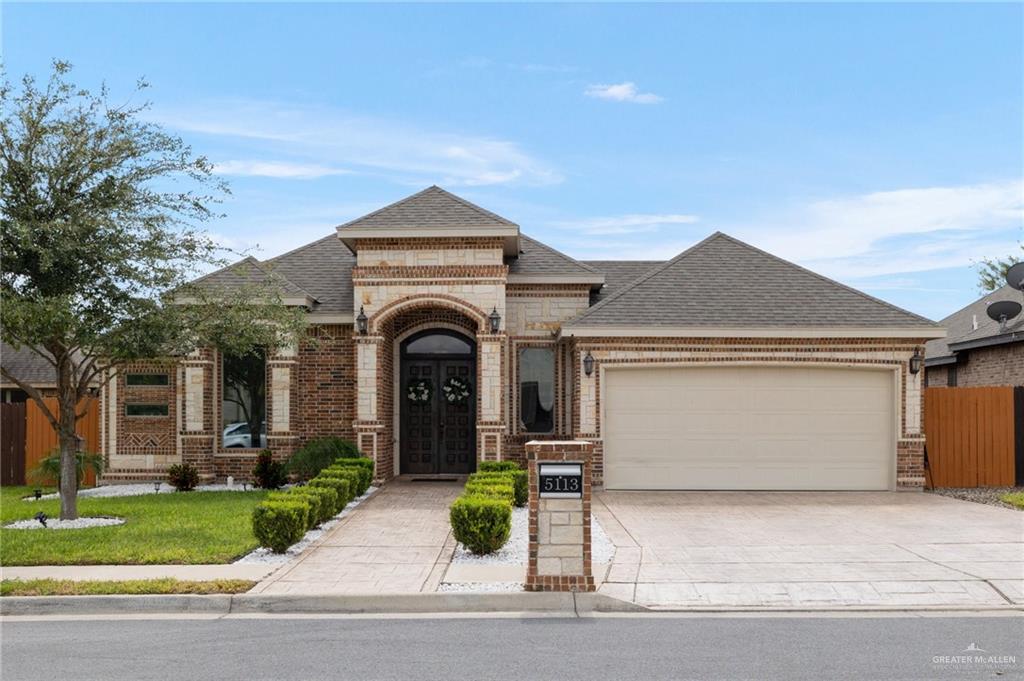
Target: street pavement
[{"x": 642, "y": 647}]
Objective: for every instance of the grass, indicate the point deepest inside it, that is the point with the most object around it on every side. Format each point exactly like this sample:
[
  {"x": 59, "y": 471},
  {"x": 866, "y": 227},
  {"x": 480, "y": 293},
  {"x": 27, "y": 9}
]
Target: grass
[
  {"x": 179, "y": 528},
  {"x": 68, "y": 587},
  {"x": 1014, "y": 499}
]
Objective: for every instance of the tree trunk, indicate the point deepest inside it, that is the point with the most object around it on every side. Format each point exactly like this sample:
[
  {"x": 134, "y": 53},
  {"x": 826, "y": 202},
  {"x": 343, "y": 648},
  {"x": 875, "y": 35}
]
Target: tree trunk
[{"x": 69, "y": 442}]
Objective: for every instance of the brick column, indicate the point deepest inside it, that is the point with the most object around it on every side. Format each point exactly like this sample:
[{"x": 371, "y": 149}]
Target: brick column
[{"x": 560, "y": 557}]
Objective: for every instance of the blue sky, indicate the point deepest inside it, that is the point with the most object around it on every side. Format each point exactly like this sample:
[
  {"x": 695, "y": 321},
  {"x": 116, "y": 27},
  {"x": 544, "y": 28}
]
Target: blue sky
[{"x": 877, "y": 144}]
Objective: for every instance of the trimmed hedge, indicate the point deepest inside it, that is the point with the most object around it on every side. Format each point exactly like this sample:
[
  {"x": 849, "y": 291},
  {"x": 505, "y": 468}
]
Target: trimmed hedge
[
  {"x": 340, "y": 487},
  {"x": 497, "y": 466},
  {"x": 279, "y": 524},
  {"x": 481, "y": 523},
  {"x": 365, "y": 474},
  {"x": 312, "y": 505},
  {"x": 362, "y": 461},
  {"x": 519, "y": 479},
  {"x": 325, "y": 496},
  {"x": 350, "y": 474},
  {"x": 316, "y": 455},
  {"x": 498, "y": 489}
]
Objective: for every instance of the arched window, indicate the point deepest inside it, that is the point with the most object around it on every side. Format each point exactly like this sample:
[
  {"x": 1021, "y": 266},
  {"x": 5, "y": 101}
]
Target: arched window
[{"x": 438, "y": 343}]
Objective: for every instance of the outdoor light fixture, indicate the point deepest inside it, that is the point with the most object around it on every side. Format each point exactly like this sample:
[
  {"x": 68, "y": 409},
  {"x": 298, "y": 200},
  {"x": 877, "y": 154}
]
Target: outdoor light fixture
[
  {"x": 39, "y": 494},
  {"x": 362, "y": 322},
  {"x": 156, "y": 487},
  {"x": 915, "y": 362},
  {"x": 41, "y": 517},
  {"x": 588, "y": 364},
  {"x": 495, "y": 319}
]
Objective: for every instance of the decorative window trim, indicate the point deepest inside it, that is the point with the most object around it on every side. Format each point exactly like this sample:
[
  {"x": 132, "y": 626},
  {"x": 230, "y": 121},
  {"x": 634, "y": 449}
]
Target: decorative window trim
[
  {"x": 161, "y": 406},
  {"x": 128, "y": 380}
]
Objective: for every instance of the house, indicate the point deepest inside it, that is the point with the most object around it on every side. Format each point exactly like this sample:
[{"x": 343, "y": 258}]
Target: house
[
  {"x": 978, "y": 350},
  {"x": 28, "y": 366},
  {"x": 441, "y": 335}
]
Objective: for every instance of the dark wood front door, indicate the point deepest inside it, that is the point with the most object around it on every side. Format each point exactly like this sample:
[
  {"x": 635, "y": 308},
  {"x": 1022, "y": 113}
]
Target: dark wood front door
[{"x": 438, "y": 435}]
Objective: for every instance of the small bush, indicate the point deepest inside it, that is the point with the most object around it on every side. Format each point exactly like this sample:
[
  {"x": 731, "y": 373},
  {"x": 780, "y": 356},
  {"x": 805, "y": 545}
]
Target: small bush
[
  {"x": 365, "y": 474},
  {"x": 519, "y": 479},
  {"x": 353, "y": 475},
  {"x": 268, "y": 474},
  {"x": 327, "y": 500},
  {"x": 279, "y": 524},
  {"x": 482, "y": 524},
  {"x": 47, "y": 471},
  {"x": 498, "y": 489},
  {"x": 318, "y": 454},
  {"x": 183, "y": 477},
  {"x": 341, "y": 490},
  {"x": 356, "y": 461},
  {"x": 312, "y": 505},
  {"x": 498, "y": 466}
]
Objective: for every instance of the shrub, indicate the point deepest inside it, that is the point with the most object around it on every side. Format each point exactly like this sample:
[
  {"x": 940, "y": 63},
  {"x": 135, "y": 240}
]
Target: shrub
[
  {"x": 482, "y": 524},
  {"x": 498, "y": 489},
  {"x": 279, "y": 524},
  {"x": 318, "y": 454},
  {"x": 365, "y": 474},
  {"x": 327, "y": 500},
  {"x": 356, "y": 461},
  {"x": 498, "y": 466},
  {"x": 183, "y": 476},
  {"x": 312, "y": 503},
  {"x": 519, "y": 479},
  {"x": 268, "y": 474},
  {"x": 48, "y": 469},
  {"x": 354, "y": 477},
  {"x": 341, "y": 490}
]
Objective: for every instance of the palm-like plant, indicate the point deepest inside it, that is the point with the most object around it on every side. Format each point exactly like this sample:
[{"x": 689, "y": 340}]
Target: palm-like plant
[{"x": 48, "y": 469}]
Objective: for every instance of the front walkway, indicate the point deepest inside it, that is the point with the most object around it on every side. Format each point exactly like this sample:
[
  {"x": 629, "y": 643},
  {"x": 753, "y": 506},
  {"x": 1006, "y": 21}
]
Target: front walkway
[
  {"x": 397, "y": 541},
  {"x": 811, "y": 550}
]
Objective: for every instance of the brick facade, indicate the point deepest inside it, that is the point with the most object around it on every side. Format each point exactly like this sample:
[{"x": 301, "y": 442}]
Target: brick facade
[{"x": 996, "y": 365}]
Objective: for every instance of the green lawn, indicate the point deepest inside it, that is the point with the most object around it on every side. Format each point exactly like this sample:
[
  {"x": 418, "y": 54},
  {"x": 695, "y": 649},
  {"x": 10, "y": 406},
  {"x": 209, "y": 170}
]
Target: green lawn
[
  {"x": 67, "y": 587},
  {"x": 180, "y": 528},
  {"x": 1014, "y": 499}
]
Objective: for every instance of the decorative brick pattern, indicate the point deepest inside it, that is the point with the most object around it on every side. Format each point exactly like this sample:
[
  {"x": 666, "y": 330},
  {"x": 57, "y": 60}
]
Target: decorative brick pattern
[{"x": 560, "y": 542}]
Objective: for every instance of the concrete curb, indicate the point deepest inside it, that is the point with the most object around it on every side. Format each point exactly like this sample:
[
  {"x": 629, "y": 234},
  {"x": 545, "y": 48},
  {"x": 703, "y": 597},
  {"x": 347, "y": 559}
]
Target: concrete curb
[{"x": 556, "y": 603}]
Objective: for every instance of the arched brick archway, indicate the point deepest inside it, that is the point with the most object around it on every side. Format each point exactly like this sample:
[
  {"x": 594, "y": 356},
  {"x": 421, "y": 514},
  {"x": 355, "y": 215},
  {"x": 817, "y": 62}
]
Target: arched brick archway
[{"x": 428, "y": 303}]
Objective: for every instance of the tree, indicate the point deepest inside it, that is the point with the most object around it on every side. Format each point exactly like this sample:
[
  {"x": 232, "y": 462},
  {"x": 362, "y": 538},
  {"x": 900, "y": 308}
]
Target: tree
[
  {"x": 101, "y": 215},
  {"x": 992, "y": 271}
]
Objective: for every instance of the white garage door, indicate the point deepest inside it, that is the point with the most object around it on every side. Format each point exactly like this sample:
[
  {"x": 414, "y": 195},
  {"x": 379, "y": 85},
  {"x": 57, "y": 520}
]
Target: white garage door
[{"x": 748, "y": 428}]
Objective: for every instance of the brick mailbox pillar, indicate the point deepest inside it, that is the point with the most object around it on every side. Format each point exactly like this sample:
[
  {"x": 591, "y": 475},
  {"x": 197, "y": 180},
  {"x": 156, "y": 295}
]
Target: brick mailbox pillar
[{"x": 559, "y": 516}]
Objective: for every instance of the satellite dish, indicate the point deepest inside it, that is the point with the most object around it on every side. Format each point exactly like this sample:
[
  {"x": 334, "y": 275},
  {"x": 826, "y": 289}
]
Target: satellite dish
[
  {"x": 1015, "y": 276},
  {"x": 1003, "y": 310}
]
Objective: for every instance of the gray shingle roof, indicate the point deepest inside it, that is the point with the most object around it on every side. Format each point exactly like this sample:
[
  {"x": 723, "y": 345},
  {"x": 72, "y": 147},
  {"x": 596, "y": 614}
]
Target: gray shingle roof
[
  {"x": 250, "y": 271},
  {"x": 26, "y": 365},
  {"x": 431, "y": 208},
  {"x": 324, "y": 268},
  {"x": 537, "y": 258},
  {"x": 723, "y": 282},
  {"x": 960, "y": 324},
  {"x": 618, "y": 274}
]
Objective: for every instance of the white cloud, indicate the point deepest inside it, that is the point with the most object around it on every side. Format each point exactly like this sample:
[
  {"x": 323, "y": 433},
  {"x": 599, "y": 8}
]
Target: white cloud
[
  {"x": 329, "y": 138},
  {"x": 278, "y": 169},
  {"x": 625, "y": 224},
  {"x": 622, "y": 92}
]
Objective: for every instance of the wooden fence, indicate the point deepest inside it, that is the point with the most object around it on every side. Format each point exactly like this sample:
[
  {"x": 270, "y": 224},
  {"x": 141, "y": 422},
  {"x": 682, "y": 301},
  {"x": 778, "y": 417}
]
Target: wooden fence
[
  {"x": 37, "y": 438},
  {"x": 974, "y": 436}
]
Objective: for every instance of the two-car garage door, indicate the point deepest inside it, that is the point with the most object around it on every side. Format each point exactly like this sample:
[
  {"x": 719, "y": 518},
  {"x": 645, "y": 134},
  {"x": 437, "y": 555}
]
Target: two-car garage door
[{"x": 748, "y": 428}]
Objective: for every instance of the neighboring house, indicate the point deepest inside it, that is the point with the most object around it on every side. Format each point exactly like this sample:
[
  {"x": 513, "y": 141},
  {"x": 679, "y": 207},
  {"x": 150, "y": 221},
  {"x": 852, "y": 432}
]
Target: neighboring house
[
  {"x": 30, "y": 368},
  {"x": 444, "y": 336},
  {"x": 977, "y": 350}
]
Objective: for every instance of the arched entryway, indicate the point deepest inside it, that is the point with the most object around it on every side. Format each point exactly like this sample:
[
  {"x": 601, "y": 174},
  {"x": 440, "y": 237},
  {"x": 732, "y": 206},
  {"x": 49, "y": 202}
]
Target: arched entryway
[{"x": 437, "y": 403}]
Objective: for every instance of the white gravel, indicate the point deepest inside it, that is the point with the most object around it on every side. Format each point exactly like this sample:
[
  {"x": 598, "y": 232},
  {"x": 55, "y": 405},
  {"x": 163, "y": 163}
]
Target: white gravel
[
  {"x": 267, "y": 557},
  {"x": 480, "y": 587},
  {"x": 56, "y": 524},
  {"x": 138, "y": 490},
  {"x": 516, "y": 549}
]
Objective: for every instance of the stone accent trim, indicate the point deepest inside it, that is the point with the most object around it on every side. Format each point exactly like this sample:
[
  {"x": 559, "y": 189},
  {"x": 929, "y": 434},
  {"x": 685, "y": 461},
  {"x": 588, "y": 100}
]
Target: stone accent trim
[{"x": 560, "y": 542}]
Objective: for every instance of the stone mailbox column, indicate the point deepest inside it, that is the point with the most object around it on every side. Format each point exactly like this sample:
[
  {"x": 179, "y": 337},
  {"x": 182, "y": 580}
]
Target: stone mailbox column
[{"x": 559, "y": 518}]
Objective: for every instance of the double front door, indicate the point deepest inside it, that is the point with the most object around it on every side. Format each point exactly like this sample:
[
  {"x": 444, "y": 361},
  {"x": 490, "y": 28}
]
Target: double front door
[{"x": 438, "y": 416}]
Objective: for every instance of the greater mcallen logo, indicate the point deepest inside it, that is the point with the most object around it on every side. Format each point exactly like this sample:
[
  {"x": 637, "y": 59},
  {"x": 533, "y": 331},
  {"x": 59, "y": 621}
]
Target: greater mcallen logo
[{"x": 973, "y": 655}]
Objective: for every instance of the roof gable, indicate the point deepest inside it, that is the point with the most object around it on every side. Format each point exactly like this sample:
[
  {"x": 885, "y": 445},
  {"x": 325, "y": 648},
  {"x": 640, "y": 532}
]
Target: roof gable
[
  {"x": 961, "y": 324},
  {"x": 723, "y": 282},
  {"x": 432, "y": 208},
  {"x": 250, "y": 271}
]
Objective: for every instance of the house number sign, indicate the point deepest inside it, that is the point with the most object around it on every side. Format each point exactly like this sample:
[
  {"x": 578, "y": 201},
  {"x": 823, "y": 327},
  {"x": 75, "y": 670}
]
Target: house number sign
[{"x": 560, "y": 480}]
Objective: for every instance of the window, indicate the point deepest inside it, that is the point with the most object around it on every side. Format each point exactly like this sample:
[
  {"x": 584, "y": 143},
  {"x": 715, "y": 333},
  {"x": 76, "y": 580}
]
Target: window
[
  {"x": 145, "y": 410},
  {"x": 146, "y": 379},
  {"x": 439, "y": 344},
  {"x": 537, "y": 389},
  {"x": 244, "y": 403}
]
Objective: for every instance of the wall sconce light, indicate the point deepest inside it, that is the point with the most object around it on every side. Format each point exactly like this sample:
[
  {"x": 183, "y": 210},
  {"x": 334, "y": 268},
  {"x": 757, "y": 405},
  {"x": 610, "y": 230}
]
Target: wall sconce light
[
  {"x": 495, "y": 319},
  {"x": 362, "y": 323},
  {"x": 915, "y": 362},
  {"x": 588, "y": 364}
]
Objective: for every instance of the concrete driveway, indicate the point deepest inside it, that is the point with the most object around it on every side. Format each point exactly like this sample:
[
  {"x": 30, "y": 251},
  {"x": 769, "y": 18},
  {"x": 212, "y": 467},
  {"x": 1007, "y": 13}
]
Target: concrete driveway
[{"x": 811, "y": 550}]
